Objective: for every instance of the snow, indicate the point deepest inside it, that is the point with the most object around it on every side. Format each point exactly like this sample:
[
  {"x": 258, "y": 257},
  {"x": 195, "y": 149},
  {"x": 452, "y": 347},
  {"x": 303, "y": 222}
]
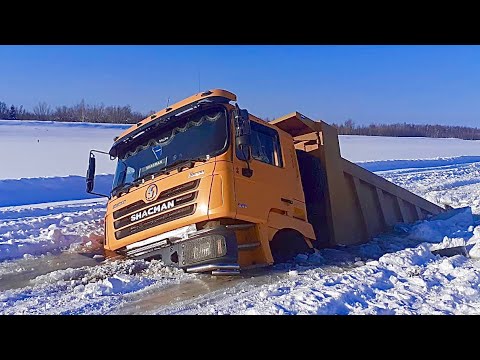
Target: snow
[
  {"x": 385, "y": 165},
  {"x": 50, "y": 189},
  {"x": 398, "y": 274},
  {"x": 394, "y": 274},
  {"x": 46, "y": 148},
  {"x": 61, "y": 227},
  {"x": 374, "y": 148},
  {"x": 88, "y": 289},
  {"x": 456, "y": 185},
  {"x": 46, "y": 161},
  {"x": 50, "y": 239}
]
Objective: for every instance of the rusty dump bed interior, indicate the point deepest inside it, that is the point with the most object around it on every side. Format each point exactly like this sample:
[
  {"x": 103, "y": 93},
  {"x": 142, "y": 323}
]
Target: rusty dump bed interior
[{"x": 355, "y": 205}]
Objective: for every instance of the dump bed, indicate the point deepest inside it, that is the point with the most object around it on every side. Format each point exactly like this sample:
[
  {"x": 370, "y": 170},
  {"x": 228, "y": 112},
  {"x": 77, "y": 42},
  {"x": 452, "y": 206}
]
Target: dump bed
[{"x": 346, "y": 204}]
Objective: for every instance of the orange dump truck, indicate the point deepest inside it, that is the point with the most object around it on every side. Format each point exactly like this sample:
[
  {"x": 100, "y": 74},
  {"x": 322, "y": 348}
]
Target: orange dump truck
[{"x": 206, "y": 186}]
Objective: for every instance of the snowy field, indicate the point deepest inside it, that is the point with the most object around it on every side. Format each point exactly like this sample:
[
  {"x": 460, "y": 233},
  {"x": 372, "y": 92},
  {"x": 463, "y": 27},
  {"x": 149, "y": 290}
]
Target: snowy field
[
  {"x": 49, "y": 232},
  {"x": 46, "y": 161}
]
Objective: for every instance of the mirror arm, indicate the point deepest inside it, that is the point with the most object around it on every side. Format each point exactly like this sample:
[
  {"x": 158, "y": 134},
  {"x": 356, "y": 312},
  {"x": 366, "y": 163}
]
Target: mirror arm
[
  {"x": 99, "y": 151},
  {"x": 101, "y": 195}
]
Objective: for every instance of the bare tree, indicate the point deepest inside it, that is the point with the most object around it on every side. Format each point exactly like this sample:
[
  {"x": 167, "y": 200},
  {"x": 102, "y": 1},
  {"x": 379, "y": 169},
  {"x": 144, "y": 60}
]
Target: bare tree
[
  {"x": 42, "y": 111},
  {"x": 3, "y": 110}
]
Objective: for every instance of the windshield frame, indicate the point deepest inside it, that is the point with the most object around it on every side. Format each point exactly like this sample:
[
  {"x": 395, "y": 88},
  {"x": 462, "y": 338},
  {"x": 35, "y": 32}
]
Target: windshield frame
[{"x": 145, "y": 139}]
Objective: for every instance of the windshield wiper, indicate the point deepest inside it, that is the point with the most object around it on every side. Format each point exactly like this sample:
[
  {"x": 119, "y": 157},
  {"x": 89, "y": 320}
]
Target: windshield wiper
[
  {"x": 191, "y": 162},
  {"x": 153, "y": 175},
  {"x": 121, "y": 188}
]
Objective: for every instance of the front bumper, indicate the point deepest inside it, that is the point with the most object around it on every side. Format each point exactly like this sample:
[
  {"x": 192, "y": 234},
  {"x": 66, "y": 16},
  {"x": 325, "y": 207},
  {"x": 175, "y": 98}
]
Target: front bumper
[{"x": 211, "y": 250}]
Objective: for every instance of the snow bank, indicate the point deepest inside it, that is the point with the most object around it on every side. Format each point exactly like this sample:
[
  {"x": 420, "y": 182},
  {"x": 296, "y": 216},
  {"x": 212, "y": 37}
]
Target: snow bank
[
  {"x": 386, "y": 165},
  {"x": 36, "y": 235},
  {"x": 374, "y": 148},
  {"x": 42, "y": 190},
  {"x": 454, "y": 185}
]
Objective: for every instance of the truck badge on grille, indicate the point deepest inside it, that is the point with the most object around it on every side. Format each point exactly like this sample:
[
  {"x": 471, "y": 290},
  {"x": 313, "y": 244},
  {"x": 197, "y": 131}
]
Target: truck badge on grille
[{"x": 151, "y": 192}]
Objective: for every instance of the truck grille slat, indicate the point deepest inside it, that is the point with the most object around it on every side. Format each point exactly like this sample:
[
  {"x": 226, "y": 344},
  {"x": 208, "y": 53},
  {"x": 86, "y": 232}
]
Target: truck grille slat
[
  {"x": 156, "y": 209},
  {"x": 138, "y": 205},
  {"x": 155, "y": 221}
]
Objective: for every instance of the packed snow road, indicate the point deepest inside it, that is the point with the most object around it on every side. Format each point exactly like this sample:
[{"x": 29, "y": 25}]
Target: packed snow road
[{"x": 50, "y": 263}]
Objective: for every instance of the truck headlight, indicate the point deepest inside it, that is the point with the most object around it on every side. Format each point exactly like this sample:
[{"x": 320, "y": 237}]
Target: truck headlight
[{"x": 204, "y": 248}]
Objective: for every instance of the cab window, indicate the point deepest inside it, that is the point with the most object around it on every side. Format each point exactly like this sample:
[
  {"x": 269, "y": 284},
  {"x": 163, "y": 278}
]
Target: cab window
[{"x": 265, "y": 145}]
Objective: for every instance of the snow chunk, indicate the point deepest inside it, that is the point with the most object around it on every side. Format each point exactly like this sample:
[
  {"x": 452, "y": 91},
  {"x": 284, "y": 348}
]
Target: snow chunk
[
  {"x": 293, "y": 273},
  {"x": 66, "y": 220},
  {"x": 475, "y": 251}
]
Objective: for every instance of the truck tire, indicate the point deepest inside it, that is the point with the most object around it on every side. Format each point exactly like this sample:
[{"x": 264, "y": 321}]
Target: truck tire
[{"x": 286, "y": 244}]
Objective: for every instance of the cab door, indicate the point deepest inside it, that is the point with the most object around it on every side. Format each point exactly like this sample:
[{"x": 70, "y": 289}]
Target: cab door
[{"x": 266, "y": 187}]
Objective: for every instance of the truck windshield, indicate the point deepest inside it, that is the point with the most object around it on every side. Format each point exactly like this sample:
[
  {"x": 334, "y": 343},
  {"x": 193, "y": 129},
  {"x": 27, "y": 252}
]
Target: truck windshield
[{"x": 198, "y": 135}]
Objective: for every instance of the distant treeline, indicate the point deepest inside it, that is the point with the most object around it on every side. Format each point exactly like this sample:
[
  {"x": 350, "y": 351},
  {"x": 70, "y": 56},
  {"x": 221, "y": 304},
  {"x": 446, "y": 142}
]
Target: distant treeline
[
  {"x": 82, "y": 112},
  {"x": 411, "y": 130}
]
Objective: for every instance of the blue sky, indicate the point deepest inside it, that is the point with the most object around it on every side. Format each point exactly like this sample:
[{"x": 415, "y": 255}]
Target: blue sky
[{"x": 386, "y": 84}]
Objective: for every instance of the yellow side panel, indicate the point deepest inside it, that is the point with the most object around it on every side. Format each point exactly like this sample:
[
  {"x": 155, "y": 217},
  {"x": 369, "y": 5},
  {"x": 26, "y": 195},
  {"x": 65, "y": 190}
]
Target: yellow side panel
[
  {"x": 222, "y": 197},
  {"x": 216, "y": 193},
  {"x": 278, "y": 221}
]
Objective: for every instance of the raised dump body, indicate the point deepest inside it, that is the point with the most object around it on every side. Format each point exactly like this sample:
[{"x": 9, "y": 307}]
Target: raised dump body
[{"x": 346, "y": 203}]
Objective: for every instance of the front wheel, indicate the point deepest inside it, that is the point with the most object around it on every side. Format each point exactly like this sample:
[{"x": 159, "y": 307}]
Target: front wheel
[{"x": 286, "y": 244}]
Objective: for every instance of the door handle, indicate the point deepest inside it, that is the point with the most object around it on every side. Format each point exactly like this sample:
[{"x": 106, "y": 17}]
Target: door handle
[
  {"x": 288, "y": 201},
  {"x": 247, "y": 172}
]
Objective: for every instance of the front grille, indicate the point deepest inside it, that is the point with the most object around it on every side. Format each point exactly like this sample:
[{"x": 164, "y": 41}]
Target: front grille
[
  {"x": 179, "y": 189},
  {"x": 191, "y": 185},
  {"x": 155, "y": 221},
  {"x": 137, "y": 205},
  {"x": 181, "y": 200}
]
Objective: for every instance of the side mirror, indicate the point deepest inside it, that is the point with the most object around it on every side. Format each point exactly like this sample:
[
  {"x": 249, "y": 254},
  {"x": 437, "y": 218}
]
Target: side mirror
[
  {"x": 90, "y": 173},
  {"x": 90, "y": 179},
  {"x": 242, "y": 132}
]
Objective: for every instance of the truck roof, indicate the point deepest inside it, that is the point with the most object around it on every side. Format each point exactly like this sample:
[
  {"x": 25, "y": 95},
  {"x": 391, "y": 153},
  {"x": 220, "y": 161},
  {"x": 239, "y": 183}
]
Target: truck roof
[
  {"x": 218, "y": 95},
  {"x": 177, "y": 105}
]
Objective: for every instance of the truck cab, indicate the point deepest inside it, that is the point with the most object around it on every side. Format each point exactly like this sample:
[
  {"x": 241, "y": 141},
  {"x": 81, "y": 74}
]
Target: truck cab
[{"x": 206, "y": 186}]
